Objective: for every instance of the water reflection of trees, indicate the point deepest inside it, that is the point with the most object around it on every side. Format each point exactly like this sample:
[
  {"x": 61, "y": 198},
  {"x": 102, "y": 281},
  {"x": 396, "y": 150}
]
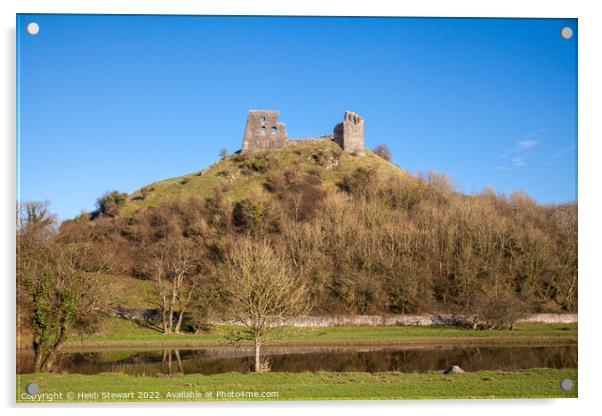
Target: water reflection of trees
[
  {"x": 175, "y": 361},
  {"x": 166, "y": 361}
]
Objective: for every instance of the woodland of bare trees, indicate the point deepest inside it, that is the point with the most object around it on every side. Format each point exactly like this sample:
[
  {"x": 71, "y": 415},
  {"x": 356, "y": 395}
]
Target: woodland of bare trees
[{"x": 379, "y": 243}]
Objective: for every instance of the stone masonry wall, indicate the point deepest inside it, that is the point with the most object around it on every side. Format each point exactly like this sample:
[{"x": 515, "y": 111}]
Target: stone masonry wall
[
  {"x": 327, "y": 138},
  {"x": 364, "y": 320},
  {"x": 263, "y": 132},
  {"x": 376, "y": 320},
  {"x": 350, "y": 133},
  {"x": 409, "y": 320}
]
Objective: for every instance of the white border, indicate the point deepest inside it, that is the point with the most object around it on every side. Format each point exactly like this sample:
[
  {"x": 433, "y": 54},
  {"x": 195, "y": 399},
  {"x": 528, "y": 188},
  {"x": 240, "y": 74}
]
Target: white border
[{"x": 590, "y": 207}]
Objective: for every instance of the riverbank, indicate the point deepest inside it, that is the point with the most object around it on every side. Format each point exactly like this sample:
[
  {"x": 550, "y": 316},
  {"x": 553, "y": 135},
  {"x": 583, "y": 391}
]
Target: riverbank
[
  {"x": 120, "y": 333},
  {"x": 533, "y": 383}
]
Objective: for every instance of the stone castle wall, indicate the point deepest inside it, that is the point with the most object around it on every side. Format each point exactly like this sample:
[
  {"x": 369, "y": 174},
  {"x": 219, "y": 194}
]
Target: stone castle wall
[
  {"x": 264, "y": 132},
  {"x": 350, "y": 133},
  {"x": 327, "y": 138}
]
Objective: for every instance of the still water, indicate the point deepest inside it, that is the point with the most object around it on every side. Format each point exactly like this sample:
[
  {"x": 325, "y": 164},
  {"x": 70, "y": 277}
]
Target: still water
[{"x": 297, "y": 359}]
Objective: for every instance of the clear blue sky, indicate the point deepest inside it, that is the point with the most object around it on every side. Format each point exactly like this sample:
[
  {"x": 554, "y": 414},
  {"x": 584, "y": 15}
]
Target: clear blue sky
[{"x": 117, "y": 102}]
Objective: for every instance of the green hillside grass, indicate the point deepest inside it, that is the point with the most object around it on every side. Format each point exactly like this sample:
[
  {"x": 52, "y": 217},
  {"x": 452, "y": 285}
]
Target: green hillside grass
[
  {"x": 228, "y": 172},
  {"x": 130, "y": 292}
]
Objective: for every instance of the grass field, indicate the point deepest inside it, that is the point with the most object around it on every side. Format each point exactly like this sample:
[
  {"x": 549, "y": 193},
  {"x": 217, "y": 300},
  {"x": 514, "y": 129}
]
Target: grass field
[
  {"x": 534, "y": 383},
  {"x": 122, "y": 333}
]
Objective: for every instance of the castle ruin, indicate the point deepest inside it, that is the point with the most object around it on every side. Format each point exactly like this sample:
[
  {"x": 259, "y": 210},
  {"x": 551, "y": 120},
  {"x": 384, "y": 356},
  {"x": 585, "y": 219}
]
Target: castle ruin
[
  {"x": 350, "y": 133},
  {"x": 264, "y": 132}
]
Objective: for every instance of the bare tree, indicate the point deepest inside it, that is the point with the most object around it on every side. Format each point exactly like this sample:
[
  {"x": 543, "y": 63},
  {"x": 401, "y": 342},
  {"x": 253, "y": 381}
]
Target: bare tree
[
  {"x": 263, "y": 291},
  {"x": 176, "y": 277},
  {"x": 223, "y": 153},
  {"x": 440, "y": 181},
  {"x": 383, "y": 151},
  {"x": 497, "y": 311}
]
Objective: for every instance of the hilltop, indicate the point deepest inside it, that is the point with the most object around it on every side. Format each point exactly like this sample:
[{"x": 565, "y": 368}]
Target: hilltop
[{"x": 245, "y": 175}]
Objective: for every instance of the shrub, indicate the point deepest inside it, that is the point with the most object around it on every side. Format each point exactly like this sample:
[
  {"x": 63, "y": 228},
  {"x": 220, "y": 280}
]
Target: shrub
[
  {"x": 246, "y": 213},
  {"x": 498, "y": 311},
  {"x": 260, "y": 162},
  {"x": 300, "y": 192},
  {"x": 328, "y": 158},
  {"x": 383, "y": 151},
  {"x": 401, "y": 193},
  {"x": 219, "y": 210},
  {"x": 359, "y": 183},
  {"x": 441, "y": 182},
  {"x": 145, "y": 191},
  {"x": 246, "y": 171},
  {"x": 109, "y": 203},
  {"x": 83, "y": 217}
]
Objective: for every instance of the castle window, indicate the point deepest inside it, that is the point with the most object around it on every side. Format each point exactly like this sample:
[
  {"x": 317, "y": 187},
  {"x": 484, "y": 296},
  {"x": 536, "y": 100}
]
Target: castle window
[
  {"x": 274, "y": 129},
  {"x": 262, "y": 129},
  {"x": 262, "y": 119},
  {"x": 354, "y": 121}
]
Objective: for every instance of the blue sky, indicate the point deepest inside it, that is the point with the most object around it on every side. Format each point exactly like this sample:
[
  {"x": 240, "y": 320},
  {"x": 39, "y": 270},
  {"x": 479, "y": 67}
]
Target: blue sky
[{"x": 117, "y": 102}]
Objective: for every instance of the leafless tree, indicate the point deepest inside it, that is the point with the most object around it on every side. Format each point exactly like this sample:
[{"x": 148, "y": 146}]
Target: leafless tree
[
  {"x": 383, "y": 151},
  {"x": 263, "y": 291},
  {"x": 176, "y": 277}
]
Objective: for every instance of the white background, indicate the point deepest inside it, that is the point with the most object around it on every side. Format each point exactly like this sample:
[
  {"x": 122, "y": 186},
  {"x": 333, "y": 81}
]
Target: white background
[{"x": 590, "y": 207}]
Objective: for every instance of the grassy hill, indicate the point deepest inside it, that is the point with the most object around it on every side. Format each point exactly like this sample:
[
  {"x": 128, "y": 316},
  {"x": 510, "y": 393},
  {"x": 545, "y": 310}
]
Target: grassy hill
[
  {"x": 240, "y": 176},
  {"x": 367, "y": 236},
  {"x": 244, "y": 175}
]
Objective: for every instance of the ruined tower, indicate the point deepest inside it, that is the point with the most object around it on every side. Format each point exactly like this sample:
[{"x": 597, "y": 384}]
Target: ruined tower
[
  {"x": 350, "y": 133},
  {"x": 263, "y": 132}
]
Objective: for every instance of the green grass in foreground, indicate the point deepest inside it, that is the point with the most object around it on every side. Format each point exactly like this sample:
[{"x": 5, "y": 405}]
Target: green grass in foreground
[
  {"x": 122, "y": 333},
  {"x": 534, "y": 383}
]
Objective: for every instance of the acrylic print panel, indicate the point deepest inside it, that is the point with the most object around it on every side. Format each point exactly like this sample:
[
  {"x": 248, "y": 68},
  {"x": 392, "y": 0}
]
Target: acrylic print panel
[{"x": 352, "y": 208}]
